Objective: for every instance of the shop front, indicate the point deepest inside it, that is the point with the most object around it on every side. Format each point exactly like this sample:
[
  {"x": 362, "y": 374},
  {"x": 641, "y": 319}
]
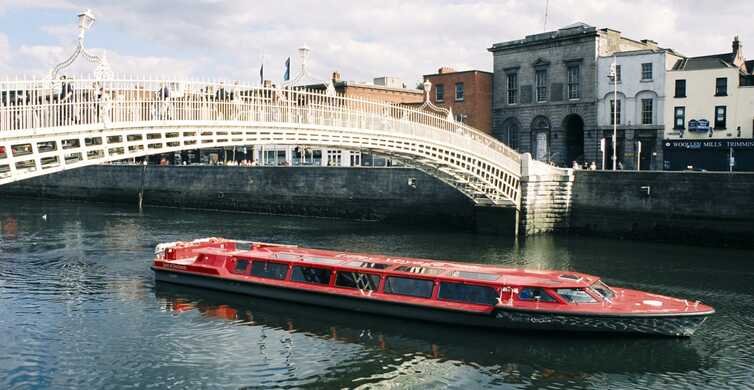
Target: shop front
[{"x": 709, "y": 155}]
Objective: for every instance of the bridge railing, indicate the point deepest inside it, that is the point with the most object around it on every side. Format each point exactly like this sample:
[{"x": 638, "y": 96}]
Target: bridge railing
[{"x": 44, "y": 104}]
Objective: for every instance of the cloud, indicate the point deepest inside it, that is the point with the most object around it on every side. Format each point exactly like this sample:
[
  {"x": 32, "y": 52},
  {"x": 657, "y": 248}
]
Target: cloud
[{"x": 362, "y": 39}]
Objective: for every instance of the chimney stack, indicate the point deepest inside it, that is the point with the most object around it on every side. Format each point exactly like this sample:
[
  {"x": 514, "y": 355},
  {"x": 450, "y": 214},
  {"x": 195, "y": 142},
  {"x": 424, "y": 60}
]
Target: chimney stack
[
  {"x": 736, "y": 44},
  {"x": 335, "y": 76},
  {"x": 445, "y": 69}
]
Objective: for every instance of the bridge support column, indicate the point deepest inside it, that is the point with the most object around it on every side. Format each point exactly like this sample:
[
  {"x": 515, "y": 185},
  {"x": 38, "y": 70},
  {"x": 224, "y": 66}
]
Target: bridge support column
[{"x": 545, "y": 197}]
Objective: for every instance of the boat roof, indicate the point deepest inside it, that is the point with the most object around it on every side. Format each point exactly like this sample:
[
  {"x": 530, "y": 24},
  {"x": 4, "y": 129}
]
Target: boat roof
[{"x": 486, "y": 273}]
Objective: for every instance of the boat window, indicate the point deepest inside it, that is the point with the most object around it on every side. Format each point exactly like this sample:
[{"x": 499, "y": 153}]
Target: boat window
[
  {"x": 357, "y": 280},
  {"x": 535, "y": 294},
  {"x": 241, "y": 265},
  {"x": 467, "y": 293},
  {"x": 419, "y": 270},
  {"x": 602, "y": 289},
  {"x": 575, "y": 295},
  {"x": 475, "y": 275},
  {"x": 266, "y": 269},
  {"x": 421, "y": 288},
  {"x": 311, "y": 275},
  {"x": 367, "y": 264}
]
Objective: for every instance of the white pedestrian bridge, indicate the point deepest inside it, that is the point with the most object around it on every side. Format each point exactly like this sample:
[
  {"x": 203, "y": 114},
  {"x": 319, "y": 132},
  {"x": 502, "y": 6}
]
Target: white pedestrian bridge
[{"x": 47, "y": 127}]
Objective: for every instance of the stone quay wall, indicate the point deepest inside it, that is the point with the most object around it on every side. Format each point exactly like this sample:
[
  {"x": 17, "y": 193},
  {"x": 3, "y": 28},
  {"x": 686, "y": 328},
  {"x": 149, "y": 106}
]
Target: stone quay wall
[
  {"x": 350, "y": 193},
  {"x": 699, "y": 208}
]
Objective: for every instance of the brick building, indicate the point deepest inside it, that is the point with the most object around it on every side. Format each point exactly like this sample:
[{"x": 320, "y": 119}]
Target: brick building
[
  {"x": 544, "y": 91},
  {"x": 467, "y": 93}
]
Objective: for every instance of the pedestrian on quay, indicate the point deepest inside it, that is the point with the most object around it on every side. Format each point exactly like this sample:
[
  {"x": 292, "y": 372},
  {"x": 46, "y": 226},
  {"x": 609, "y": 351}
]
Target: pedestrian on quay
[{"x": 592, "y": 166}]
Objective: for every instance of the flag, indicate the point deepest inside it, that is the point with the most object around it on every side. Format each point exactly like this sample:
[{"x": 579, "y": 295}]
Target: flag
[
  {"x": 261, "y": 74},
  {"x": 287, "y": 74}
]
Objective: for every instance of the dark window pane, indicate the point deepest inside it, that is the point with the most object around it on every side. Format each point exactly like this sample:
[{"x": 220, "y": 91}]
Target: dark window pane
[
  {"x": 575, "y": 295},
  {"x": 535, "y": 294},
  {"x": 468, "y": 293},
  {"x": 357, "y": 280},
  {"x": 265, "y": 269},
  {"x": 241, "y": 266},
  {"x": 407, "y": 286},
  {"x": 311, "y": 275}
]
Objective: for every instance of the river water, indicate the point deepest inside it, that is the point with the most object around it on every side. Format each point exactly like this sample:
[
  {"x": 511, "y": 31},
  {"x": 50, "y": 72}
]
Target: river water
[{"x": 79, "y": 309}]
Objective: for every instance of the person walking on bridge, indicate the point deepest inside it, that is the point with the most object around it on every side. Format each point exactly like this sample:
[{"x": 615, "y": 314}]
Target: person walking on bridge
[{"x": 66, "y": 101}]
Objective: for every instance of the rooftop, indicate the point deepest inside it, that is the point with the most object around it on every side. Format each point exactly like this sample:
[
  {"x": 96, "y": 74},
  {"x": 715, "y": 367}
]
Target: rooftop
[{"x": 714, "y": 61}]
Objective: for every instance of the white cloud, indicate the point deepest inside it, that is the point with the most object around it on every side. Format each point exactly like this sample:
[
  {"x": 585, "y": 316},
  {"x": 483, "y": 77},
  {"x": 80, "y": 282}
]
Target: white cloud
[{"x": 364, "y": 39}]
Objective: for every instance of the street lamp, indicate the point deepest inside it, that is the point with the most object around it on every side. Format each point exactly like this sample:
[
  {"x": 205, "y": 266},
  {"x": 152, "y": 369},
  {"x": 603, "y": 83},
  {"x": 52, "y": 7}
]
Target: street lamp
[
  {"x": 86, "y": 20},
  {"x": 614, "y": 77}
]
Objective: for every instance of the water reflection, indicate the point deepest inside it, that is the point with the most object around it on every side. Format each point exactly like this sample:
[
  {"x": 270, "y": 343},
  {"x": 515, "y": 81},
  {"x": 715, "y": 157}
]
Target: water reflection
[{"x": 543, "y": 355}]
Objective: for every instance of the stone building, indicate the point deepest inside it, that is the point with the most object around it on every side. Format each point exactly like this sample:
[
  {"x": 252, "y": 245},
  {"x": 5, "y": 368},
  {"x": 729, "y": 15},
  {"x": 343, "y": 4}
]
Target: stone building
[
  {"x": 639, "y": 111},
  {"x": 467, "y": 93},
  {"x": 709, "y": 118},
  {"x": 544, "y": 91}
]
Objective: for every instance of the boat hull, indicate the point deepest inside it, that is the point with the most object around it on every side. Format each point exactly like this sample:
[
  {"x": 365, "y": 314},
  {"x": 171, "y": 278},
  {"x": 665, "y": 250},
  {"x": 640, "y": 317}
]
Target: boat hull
[{"x": 669, "y": 325}]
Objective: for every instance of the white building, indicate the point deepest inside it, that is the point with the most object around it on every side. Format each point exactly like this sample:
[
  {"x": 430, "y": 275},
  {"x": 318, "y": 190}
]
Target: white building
[
  {"x": 709, "y": 117},
  {"x": 640, "y": 104}
]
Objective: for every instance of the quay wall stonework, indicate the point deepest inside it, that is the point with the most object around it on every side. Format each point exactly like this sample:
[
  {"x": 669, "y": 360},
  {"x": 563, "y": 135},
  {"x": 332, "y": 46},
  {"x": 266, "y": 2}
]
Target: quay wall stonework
[
  {"x": 350, "y": 193},
  {"x": 699, "y": 208}
]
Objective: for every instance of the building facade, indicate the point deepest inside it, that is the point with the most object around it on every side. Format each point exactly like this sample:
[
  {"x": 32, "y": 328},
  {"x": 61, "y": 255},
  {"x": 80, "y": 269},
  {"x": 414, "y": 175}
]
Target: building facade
[
  {"x": 639, "y": 109},
  {"x": 468, "y": 94},
  {"x": 709, "y": 116},
  {"x": 545, "y": 91}
]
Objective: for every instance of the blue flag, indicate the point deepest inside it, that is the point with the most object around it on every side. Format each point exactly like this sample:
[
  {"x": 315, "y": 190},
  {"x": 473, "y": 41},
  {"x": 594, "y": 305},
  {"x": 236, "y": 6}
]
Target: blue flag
[{"x": 287, "y": 74}]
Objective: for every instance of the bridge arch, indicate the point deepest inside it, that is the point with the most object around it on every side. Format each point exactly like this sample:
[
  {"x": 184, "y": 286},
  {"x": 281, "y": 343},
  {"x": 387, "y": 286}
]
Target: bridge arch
[{"x": 110, "y": 120}]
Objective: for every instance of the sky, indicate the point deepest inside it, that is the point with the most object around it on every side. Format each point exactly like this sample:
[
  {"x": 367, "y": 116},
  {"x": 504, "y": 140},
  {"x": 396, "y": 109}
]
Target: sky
[{"x": 228, "y": 40}]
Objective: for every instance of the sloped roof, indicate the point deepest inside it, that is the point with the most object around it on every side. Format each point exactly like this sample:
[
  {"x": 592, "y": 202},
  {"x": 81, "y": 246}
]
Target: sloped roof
[{"x": 714, "y": 61}]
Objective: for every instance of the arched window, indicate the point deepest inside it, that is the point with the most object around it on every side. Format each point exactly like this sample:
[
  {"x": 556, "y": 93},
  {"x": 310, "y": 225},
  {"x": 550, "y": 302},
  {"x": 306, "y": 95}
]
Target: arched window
[
  {"x": 509, "y": 132},
  {"x": 540, "y": 138}
]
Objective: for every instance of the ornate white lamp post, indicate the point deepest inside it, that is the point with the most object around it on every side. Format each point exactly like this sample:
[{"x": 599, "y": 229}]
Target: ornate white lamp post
[
  {"x": 613, "y": 76},
  {"x": 86, "y": 20}
]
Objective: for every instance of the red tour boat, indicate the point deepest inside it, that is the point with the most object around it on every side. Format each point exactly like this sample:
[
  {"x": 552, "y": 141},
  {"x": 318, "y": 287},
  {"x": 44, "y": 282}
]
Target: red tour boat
[{"x": 457, "y": 293}]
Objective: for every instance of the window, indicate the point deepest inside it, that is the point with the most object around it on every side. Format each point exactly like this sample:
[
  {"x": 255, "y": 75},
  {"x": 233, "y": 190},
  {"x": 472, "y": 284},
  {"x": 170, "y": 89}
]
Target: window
[
  {"x": 440, "y": 93},
  {"x": 358, "y": 280},
  {"x": 721, "y": 86},
  {"x": 614, "y": 115},
  {"x": 575, "y": 295},
  {"x": 266, "y": 269},
  {"x": 617, "y": 73},
  {"x": 680, "y": 118},
  {"x": 421, "y": 288},
  {"x": 310, "y": 275},
  {"x": 573, "y": 81},
  {"x": 241, "y": 265},
  {"x": 512, "y": 85},
  {"x": 646, "y": 71},
  {"x": 468, "y": 293},
  {"x": 459, "y": 91},
  {"x": 541, "y": 79},
  {"x": 720, "y": 113},
  {"x": 680, "y": 88},
  {"x": 647, "y": 116},
  {"x": 535, "y": 294},
  {"x": 604, "y": 291}
]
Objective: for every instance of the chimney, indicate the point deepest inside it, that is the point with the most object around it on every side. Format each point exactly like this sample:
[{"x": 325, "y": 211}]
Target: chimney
[
  {"x": 445, "y": 69},
  {"x": 335, "y": 76},
  {"x": 736, "y": 44}
]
